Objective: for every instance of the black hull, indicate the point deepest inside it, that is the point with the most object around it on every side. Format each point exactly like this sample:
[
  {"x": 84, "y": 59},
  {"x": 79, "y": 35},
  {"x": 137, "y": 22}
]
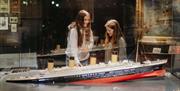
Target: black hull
[{"x": 92, "y": 76}]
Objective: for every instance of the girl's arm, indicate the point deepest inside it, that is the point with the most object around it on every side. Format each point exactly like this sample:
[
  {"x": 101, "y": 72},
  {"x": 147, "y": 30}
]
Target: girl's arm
[{"x": 72, "y": 48}]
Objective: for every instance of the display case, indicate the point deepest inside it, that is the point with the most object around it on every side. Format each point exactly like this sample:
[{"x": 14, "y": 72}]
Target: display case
[
  {"x": 176, "y": 64},
  {"x": 153, "y": 48}
]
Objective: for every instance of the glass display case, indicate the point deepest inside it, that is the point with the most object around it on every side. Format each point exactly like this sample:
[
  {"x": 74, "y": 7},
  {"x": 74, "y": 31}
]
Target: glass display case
[
  {"x": 154, "y": 48},
  {"x": 39, "y": 32}
]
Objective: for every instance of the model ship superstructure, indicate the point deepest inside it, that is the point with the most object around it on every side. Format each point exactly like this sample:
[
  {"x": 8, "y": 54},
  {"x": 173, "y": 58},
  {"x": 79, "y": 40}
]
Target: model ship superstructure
[{"x": 96, "y": 73}]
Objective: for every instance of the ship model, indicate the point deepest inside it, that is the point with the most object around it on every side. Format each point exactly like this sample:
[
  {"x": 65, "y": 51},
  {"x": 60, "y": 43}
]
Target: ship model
[{"x": 113, "y": 71}]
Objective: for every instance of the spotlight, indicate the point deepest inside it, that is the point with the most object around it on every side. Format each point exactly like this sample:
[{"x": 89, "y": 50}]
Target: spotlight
[
  {"x": 52, "y": 2},
  {"x": 57, "y": 5},
  {"x": 25, "y": 2}
]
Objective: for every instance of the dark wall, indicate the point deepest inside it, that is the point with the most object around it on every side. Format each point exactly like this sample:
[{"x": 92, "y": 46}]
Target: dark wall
[
  {"x": 55, "y": 20},
  {"x": 43, "y": 25},
  {"x": 121, "y": 10}
]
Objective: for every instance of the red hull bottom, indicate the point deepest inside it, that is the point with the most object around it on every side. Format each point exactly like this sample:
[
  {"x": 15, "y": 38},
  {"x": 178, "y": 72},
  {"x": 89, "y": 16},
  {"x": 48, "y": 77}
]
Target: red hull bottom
[{"x": 122, "y": 78}]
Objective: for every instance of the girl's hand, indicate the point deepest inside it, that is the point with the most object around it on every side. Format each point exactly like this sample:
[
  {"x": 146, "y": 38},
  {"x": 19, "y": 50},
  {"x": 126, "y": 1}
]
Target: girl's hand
[
  {"x": 84, "y": 49},
  {"x": 79, "y": 65}
]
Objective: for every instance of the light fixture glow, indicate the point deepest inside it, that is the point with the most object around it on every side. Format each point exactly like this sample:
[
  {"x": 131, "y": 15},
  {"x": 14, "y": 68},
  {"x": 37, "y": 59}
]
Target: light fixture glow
[
  {"x": 25, "y": 2},
  {"x": 52, "y": 2},
  {"x": 57, "y": 5}
]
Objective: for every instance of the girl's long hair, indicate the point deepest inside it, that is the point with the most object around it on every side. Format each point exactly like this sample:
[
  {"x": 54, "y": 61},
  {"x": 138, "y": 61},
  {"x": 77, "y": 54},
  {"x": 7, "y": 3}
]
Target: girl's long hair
[
  {"x": 80, "y": 26},
  {"x": 117, "y": 33}
]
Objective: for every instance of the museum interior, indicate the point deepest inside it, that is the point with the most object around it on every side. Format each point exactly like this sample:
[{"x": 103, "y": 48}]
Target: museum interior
[{"x": 35, "y": 32}]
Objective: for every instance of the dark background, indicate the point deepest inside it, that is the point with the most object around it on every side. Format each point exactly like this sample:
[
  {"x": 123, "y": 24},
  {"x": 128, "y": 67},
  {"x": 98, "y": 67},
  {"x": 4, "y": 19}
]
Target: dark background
[{"x": 43, "y": 25}]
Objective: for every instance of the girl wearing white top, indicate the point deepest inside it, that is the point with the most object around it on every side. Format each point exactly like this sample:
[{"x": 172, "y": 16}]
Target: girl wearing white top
[
  {"x": 80, "y": 38},
  {"x": 114, "y": 39}
]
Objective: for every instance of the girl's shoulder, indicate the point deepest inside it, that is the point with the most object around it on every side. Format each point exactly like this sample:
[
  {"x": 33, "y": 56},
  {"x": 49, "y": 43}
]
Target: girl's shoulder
[
  {"x": 72, "y": 25},
  {"x": 73, "y": 31},
  {"x": 122, "y": 42},
  {"x": 121, "y": 38}
]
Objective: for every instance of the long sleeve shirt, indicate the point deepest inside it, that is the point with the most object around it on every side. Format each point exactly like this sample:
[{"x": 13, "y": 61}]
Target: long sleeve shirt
[
  {"x": 72, "y": 45},
  {"x": 121, "y": 50}
]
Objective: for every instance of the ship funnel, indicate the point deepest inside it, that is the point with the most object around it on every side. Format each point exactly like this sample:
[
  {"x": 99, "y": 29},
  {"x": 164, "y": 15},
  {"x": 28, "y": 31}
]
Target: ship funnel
[
  {"x": 50, "y": 65},
  {"x": 114, "y": 56},
  {"x": 71, "y": 62},
  {"x": 93, "y": 59}
]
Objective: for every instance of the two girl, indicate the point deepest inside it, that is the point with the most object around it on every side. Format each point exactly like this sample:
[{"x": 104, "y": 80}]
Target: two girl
[{"x": 80, "y": 38}]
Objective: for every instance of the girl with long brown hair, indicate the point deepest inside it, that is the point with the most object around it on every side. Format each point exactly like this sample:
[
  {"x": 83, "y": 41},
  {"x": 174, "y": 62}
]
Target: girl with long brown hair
[
  {"x": 114, "y": 39},
  {"x": 80, "y": 38}
]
